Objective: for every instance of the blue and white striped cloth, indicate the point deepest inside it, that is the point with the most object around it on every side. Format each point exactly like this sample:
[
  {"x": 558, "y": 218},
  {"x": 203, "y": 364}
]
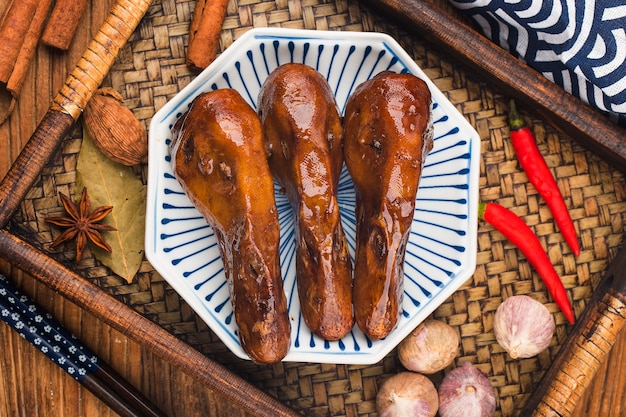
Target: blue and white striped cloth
[{"x": 578, "y": 44}]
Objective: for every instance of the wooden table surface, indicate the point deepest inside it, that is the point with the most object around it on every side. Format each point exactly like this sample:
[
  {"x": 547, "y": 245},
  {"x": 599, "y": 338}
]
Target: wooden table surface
[{"x": 30, "y": 385}]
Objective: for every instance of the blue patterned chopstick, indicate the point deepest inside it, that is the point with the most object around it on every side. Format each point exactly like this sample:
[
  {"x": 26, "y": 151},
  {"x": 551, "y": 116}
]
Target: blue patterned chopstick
[
  {"x": 66, "y": 351},
  {"x": 43, "y": 332},
  {"x": 44, "y": 342}
]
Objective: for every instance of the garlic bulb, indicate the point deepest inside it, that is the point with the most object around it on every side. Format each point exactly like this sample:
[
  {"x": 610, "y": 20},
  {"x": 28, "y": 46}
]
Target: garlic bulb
[
  {"x": 407, "y": 394},
  {"x": 466, "y": 392},
  {"x": 523, "y": 326},
  {"x": 429, "y": 348}
]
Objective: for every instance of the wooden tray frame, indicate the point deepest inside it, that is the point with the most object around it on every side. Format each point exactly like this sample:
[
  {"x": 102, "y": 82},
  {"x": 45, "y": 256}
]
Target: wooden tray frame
[{"x": 446, "y": 31}]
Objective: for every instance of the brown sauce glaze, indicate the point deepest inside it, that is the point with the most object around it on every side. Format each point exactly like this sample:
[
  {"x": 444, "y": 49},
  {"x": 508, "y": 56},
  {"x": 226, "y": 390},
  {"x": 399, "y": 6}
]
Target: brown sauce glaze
[
  {"x": 218, "y": 157},
  {"x": 303, "y": 136},
  {"x": 387, "y": 134}
]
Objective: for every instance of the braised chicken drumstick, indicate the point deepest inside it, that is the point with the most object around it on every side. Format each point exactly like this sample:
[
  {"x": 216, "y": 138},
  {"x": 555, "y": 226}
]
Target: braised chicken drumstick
[
  {"x": 219, "y": 159},
  {"x": 303, "y": 136},
  {"x": 387, "y": 134}
]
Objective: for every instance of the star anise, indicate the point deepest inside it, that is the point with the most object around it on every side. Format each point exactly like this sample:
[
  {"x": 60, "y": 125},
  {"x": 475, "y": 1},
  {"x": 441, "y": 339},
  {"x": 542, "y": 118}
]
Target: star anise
[{"x": 82, "y": 224}]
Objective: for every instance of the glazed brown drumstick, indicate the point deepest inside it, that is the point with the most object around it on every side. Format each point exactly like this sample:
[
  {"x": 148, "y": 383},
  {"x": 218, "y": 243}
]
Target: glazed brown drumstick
[
  {"x": 218, "y": 157},
  {"x": 303, "y": 136},
  {"x": 387, "y": 134}
]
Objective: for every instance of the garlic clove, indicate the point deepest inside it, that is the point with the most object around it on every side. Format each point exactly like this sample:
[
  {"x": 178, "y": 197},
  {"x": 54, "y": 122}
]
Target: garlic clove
[
  {"x": 407, "y": 394},
  {"x": 429, "y": 348},
  {"x": 466, "y": 392},
  {"x": 523, "y": 326}
]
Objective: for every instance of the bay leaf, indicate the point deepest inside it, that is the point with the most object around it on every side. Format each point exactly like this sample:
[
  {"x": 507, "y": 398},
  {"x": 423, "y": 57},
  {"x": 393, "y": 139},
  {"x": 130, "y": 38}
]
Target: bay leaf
[{"x": 112, "y": 184}]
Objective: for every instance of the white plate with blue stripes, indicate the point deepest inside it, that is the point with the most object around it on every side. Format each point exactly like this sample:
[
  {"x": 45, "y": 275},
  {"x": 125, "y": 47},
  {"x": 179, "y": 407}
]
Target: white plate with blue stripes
[{"x": 441, "y": 253}]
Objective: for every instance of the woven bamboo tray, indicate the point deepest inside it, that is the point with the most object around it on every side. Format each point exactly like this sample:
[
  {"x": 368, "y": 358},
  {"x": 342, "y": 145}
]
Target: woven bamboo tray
[{"x": 150, "y": 69}]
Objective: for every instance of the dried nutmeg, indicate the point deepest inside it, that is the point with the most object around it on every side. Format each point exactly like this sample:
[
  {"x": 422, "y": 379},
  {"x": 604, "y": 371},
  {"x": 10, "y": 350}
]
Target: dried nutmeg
[
  {"x": 523, "y": 326},
  {"x": 114, "y": 128}
]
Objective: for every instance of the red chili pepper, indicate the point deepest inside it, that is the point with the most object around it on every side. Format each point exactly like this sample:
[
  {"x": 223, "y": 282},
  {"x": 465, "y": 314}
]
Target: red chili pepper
[
  {"x": 522, "y": 236},
  {"x": 541, "y": 177}
]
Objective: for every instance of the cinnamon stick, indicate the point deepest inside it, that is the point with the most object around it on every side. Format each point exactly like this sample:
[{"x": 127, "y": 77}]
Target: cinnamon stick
[
  {"x": 13, "y": 28},
  {"x": 10, "y": 90},
  {"x": 63, "y": 23},
  {"x": 204, "y": 32}
]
